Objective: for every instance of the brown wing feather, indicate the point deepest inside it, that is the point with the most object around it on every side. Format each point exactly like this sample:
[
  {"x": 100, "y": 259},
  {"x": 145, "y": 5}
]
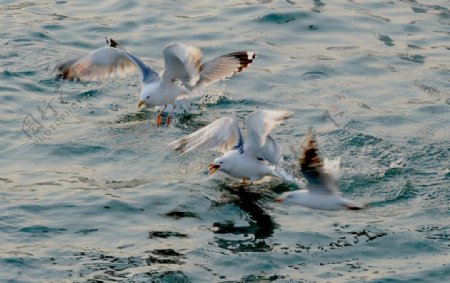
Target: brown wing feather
[
  {"x": 313, "y": 169},
  {"x": 310, "y": 162}
]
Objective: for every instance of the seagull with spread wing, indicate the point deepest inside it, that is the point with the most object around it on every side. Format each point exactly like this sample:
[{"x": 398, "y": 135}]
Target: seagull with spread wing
[
  {"x": 321, "y": 189},
  {"x": 184, "y": 71},
  {"x": 253, "y": 159}
]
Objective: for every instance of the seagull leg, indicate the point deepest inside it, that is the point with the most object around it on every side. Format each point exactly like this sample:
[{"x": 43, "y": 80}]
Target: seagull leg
[
  {"x": 158, "y": 118},
  {"x": 170, "y": 115}
]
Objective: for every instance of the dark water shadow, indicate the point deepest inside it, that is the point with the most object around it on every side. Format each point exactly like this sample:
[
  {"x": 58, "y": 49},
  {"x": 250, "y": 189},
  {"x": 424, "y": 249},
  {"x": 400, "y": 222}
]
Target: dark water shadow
[
  {"x": 190, "y": 121},
  {"x": 260, "y": 226}
]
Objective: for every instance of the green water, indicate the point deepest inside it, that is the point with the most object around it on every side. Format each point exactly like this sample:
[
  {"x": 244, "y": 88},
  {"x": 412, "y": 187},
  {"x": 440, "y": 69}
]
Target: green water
[{"x": 98, "y": 196}]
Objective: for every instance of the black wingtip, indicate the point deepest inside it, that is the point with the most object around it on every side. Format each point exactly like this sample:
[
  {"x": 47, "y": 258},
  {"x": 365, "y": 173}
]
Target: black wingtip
[
  {"x": 111, "y": 42},
  {"x": 245, "y": 58}
]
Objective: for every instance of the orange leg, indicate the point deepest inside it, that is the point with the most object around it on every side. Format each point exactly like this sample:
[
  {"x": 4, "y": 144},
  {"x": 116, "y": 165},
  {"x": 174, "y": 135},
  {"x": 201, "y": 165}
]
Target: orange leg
[
  {"x": 158, "y": 118},
  {"x": 170, "y": 115}
]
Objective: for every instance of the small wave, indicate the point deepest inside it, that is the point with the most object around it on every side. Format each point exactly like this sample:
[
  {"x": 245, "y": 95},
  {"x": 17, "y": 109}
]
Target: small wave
[{"x": 282, "y": 18}]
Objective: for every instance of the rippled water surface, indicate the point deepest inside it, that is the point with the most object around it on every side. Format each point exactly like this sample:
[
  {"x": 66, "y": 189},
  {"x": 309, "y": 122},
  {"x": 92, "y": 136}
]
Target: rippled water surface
[{"x": 97, "y": 195}]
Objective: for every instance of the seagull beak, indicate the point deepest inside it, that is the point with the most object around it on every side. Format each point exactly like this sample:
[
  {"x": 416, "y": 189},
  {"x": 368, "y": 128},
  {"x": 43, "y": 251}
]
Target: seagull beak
[
  {"x": 141, "y": 102},
  {"x": 278, "y": 199},
  {"x": 213, "y": 168}
]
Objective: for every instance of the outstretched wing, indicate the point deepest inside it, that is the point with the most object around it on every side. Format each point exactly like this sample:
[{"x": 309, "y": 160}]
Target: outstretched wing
[
  {"x": 318, "y": 176},
  {"x": 104, "y": 62},
  {"x": 224, "y": 66},
  {"x": 222, "y": 135},
  {"x": 182, "y": 62},
  {"x": 260, "y": 144}
]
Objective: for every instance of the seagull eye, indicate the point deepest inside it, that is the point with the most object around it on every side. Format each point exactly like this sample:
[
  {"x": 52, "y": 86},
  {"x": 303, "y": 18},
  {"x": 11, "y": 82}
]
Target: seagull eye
[
  {"x": 221, "y": 162},
  {"x": 148, "y": 97}
]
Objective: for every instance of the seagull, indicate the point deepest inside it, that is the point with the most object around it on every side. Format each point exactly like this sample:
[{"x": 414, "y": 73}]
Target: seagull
[
  {"x": 321, "y": 189},
  {"x": 258, "y": 157},
  {"x": 184, "y": 71}
]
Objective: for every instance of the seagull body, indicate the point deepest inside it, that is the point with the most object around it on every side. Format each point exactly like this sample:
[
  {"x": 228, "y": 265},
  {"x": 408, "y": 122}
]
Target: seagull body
[
  {"x": 317, "y": 201},
  {"x": 184, "y": 70},
  {"x": 160, "y": 93},
  {"x": 321, "y": 189},
  {"x": 243, "y": 166},
  {"x": 258, "y": 157}
]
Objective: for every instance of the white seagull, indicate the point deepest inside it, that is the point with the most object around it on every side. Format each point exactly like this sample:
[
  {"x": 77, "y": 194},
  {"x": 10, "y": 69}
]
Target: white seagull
[
  {"x": 184, "y": 71},
  {"x": 259, "y": 156},
  {"x": 321, "y": 189}
]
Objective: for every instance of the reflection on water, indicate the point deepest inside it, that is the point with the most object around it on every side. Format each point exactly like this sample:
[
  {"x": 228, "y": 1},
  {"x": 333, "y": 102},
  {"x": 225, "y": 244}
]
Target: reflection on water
[{"x": 260, "y": 224}]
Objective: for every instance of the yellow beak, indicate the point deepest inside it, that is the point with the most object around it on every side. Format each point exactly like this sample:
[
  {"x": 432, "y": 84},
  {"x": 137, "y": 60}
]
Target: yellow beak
[
  {"x": 213, "y": 168},
  {"x": 141, "y": 102}
]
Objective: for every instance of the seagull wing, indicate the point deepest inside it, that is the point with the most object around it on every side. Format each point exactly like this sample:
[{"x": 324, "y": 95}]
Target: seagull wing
[
  {"x": 272, "y": 151},
  {"x": 104, "y": 62},
  {"x": 224, "y": 67},
  {"x": 182, "y": 63},
  {"x": 221, "y": 135},
  {"x": 332, "y": 167},
  {"x": 259, "y": 125},
  {"x": 319, "y": 178}
]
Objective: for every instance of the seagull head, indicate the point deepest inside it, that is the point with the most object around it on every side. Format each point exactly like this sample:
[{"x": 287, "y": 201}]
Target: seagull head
[
  {"x": 148, "y": 94},
  {"x": 223, "y": 163},
  {"x": 144, "y": 99},
  {"x": 218, "y": 164},
  {"x": 289, "y": 197}
]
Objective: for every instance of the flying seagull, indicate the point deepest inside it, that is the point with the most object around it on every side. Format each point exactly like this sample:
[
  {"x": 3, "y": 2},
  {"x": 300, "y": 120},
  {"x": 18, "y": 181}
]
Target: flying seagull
[
  {"x": 260, "y": 155},
  {"x": 184, "y": 71},
  {"x": 321, "y": 189}
]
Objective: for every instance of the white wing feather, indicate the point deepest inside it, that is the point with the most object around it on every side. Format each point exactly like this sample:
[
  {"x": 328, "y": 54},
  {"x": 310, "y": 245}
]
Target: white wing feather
[
  {"x": 182, "y": 62},
  {"x": 271, "y": 151},
  {"x": 222, "y": 135},
  {"x": 259, "y": 124},
  {"x": 331, "y": 167},
  {"x": 224, "y": 66},
  {"x": 104, "y": 62}
]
